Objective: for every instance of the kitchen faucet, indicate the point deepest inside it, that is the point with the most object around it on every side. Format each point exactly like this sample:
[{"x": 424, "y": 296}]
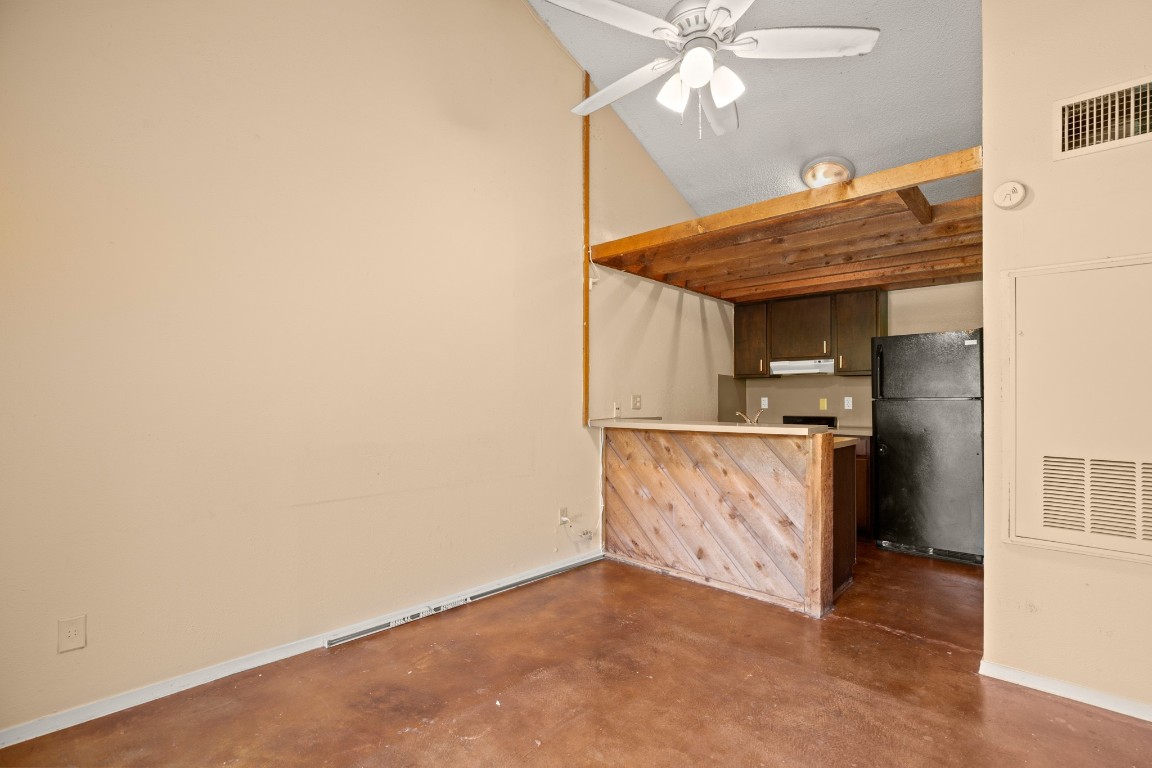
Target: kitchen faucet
[{"x": 754, "y": 420}]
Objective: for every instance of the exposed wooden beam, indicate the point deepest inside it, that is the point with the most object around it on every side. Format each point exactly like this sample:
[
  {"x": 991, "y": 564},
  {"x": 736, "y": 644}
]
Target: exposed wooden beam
[
  {"x": 793, "y": 223},
  {"x": 894, "y": 179},
  {"x": 917, "y": 203}
]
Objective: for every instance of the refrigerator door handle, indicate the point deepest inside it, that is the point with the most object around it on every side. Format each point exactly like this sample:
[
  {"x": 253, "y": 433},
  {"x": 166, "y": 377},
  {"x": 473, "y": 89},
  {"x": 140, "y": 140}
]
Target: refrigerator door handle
[{"x": 878, "y": 378}]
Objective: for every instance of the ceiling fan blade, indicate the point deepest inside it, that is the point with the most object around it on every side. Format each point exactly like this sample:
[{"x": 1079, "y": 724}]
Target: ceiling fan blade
[
  {"x": 730, "y": 12},
  {"x": 621, "y": 16},
  {"x": 625, "y": 85},
  {"x": 804, "y": 42},
  {"x": 722, "y": 119}
]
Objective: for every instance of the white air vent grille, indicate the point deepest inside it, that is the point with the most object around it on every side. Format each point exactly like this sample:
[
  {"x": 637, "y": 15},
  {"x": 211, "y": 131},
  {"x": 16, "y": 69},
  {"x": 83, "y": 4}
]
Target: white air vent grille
[
  {"x": 1113, "y": 498},
  {"x": 1064, "y": 492},
  {"x": 1097, "y": 502},
  {"x": 1105, "y": 119},
  {"x": 1146, "y": 499}
]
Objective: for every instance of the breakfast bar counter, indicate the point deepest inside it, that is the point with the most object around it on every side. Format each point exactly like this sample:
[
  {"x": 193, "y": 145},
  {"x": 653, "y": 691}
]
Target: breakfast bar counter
[{"x": 746, "y": 508}]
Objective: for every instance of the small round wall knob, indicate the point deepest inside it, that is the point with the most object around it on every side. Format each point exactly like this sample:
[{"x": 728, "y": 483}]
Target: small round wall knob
[{"x": 1009, "y": 194}]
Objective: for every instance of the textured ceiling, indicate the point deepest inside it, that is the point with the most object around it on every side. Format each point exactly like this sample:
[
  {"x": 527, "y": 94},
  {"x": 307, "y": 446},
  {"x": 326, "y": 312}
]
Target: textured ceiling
[{"x": 916, "y": 95}]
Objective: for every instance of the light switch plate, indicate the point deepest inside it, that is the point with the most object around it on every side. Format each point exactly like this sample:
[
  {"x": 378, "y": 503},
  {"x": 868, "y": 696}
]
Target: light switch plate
[
  {"x": 823, "y": 403},
  {"x": 847, "y": 403}
]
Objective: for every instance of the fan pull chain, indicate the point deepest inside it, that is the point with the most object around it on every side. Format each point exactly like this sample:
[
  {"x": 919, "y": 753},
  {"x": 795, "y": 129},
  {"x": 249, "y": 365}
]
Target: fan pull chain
[{"x": 699, "y": 117}]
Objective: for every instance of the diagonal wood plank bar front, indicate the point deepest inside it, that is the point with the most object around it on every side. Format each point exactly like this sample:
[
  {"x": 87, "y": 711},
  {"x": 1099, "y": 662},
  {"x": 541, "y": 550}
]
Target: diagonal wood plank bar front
[{"x": 745, "y": 512}]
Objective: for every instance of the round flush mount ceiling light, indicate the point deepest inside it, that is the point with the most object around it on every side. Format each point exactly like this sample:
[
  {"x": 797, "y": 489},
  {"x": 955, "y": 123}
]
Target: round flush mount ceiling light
[{"x": 827, "y": 170}]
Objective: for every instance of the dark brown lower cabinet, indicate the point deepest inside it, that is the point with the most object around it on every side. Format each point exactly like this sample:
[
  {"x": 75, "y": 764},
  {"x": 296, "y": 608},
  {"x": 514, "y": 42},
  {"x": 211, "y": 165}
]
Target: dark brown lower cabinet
[
  {"x": 843, "y": 515},
  {"x": 863, "y": 498}
]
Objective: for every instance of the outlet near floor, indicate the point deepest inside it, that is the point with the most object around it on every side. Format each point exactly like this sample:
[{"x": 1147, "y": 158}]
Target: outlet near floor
[{"x": 71, "y": 634}]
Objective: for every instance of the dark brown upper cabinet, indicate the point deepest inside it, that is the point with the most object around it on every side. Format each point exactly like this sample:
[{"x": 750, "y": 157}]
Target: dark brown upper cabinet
[
  {"x": 840, "y": 326},
  {"x": 750, "y": 323},
  {"x": 859, "y": 316},
  {"x": 800, "y": 329}
]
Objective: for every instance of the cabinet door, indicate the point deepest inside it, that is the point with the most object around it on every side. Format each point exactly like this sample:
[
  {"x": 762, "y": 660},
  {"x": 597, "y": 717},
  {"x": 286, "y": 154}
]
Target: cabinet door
[
  {"x": 751, "y": 340},
  {"x": 801, "y": 328},
  {"x": 858, "y": 318}
]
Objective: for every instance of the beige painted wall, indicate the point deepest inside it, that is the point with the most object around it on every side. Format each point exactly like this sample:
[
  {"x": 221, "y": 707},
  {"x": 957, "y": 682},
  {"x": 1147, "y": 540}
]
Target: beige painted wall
[
  {"x": 289, "y": 325},
  {"x": 935, "y": 308},
  {"x": 914, "y": 310},
  {"x": 1071, "y": 617},
  {"x": 646, "y": 338}
]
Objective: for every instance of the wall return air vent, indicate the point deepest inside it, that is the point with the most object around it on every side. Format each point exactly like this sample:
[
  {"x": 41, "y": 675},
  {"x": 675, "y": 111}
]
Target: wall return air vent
[{"x": 1111, "y": 117}]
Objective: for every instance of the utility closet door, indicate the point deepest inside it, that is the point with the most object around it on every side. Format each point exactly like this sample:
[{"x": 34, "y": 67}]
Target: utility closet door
[{"x": 1081, "y": 368}]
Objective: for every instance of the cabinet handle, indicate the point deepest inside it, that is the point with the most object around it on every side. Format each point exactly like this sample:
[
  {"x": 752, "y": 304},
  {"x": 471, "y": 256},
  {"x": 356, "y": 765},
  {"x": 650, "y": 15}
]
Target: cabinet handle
[
  {"x": 841, "y": 362},
  {"x": 761, "y": 365},
  {"x": 825, "y": 346}
]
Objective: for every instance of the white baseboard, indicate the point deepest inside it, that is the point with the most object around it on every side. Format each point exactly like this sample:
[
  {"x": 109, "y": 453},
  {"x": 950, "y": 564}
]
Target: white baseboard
[
  {"x": 1137, "y": 709},
  {"x": 86, "y": 712}
]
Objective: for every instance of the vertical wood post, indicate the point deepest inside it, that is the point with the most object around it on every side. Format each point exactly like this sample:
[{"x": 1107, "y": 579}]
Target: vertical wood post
[{"x": 818, "y": 527}]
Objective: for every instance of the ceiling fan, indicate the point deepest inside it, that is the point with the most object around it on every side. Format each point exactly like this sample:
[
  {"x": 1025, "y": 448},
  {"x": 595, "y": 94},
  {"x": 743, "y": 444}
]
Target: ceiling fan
[{"x": 696, "y": 30}]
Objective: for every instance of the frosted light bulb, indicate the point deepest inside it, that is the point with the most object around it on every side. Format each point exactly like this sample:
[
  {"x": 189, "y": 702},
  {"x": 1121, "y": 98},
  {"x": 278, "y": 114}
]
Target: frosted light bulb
[
  {"x": 726, "y": 86},
  {"x": 696, "y": 69},
  {"x": 674, "y": 94}
]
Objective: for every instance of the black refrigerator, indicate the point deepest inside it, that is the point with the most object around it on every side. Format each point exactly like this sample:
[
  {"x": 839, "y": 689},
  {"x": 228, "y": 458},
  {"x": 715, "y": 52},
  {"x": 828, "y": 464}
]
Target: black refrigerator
[{"x": 928, "y": 425}]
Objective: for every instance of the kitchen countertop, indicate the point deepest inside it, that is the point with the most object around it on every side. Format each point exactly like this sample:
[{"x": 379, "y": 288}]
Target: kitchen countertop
[
  {"x": 710, "y": 426},
  {"x": 853, "y": 431}
]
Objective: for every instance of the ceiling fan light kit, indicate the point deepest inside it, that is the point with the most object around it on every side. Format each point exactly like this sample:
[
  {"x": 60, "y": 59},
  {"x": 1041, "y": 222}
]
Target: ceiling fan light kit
[
  {"x": 699, "y": 62},
  {"x": 697, "y": 30},
  {"x": 726, "y": 86},
  {"x": 827, "y": 170},
  {"x": 674, "y": 94}
]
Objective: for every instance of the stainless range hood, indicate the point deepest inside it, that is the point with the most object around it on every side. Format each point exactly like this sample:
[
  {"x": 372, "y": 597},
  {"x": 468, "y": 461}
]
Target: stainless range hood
[{"x": 793, "y": 367}]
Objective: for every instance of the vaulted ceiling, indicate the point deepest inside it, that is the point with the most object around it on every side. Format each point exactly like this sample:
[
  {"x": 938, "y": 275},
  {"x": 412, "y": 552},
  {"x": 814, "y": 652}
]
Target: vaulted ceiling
[{"x": 915, "y": 96}]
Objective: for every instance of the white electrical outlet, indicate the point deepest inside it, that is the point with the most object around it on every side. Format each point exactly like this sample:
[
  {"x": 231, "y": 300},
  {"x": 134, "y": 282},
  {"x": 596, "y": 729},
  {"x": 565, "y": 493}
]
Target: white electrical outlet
[
  {"x": 71, "y": 634},
  {"x": 847, "y": 403},
  {"x": 635, "y": 402},
  {"x": 763, "y": 402}
]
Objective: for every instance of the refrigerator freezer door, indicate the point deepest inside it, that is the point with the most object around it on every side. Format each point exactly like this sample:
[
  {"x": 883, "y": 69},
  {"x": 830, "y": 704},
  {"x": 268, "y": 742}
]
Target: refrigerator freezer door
[
  {"x": 927, "y": 365},
  {"x": 930, "y": 474}
]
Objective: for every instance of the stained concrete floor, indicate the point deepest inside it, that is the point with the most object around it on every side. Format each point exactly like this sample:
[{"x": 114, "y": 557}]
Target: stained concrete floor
[{"x": 612, "y": 665}]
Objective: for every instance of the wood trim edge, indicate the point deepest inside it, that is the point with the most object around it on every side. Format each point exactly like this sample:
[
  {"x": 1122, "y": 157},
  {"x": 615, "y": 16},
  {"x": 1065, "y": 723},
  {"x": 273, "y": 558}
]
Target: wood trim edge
[{"x": 586, "y": 151}]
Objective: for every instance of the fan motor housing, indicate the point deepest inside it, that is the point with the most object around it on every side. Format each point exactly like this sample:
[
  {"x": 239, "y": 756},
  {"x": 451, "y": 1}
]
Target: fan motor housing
[{"x": 688, "y": 17}]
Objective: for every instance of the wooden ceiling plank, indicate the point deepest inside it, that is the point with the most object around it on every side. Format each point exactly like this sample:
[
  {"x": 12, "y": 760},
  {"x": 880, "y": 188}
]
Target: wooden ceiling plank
[
  {"x": 842, "y": 238},
  {"x": 920, "y": 270},
  {"x": 961, "y": 275},
  {"x": 833, "y": 264},
  {"x": 917, "y": 204},
  {"x": 905, "y": 254},
  {"x": 947, "y": 166},
  {"x": 837, "y": 252}
]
